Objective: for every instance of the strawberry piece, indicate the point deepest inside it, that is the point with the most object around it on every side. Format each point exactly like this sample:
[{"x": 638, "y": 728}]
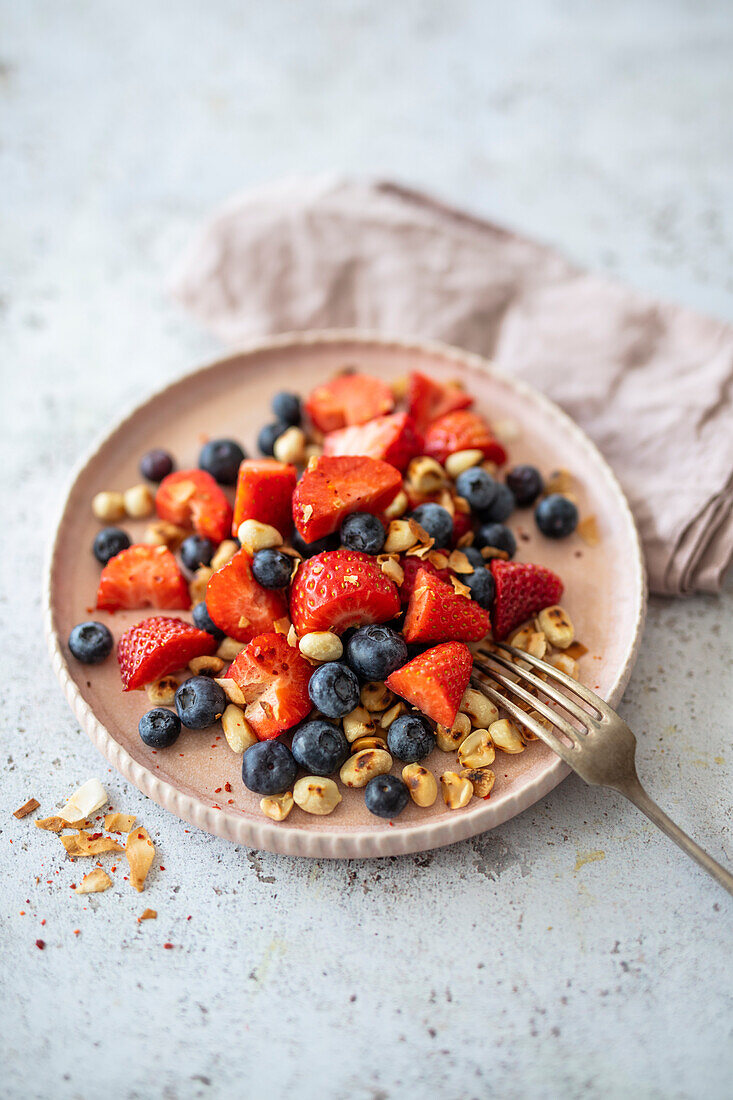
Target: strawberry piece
[
  {"x": 274, "y": 679},
  {"x": 154, "y": 647},
  {"x": 348, "y": 399},
  {"x": 427, "y": 399},
  {"x": 191, "y": 498},
  {"x": 332, "y": 488},
  {"x": 143, "y": 576},
  {"x": 265, "y": 493},
  {"x": 462, "y": 524},
  {"x": 240, "y": 606},
  {"x": 522, "y": 589},
  {"x": 341, "y": 588},
  {"x": 437, "y": 613},
  {"x": 411, "y": 567},
  {"x": 392, "y": 438},
  {"x": 462, "y": 431},
  {"x": 435, "y": 681}
]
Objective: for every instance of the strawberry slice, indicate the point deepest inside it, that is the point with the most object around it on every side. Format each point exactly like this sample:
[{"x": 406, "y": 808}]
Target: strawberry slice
[
  {"x": 462, "y": 524},
  {"x": 435, "y": 681},
  {"x": 392, "y": 438},
  {"x": 522, "y": 589},
  {"x": 143, "y": 576},
  {"x": 411, "y": 567},
  {"x": 240, "y": 606},
  {"x": 191, "y": 498},
  {"x": 332, "y": 488},
  {"x": 427, "y": 399},
  {"x": 154, "y": 647},
  {"x": 437, "y": 613},
  {"x": 338, "y": 589},
  {"x": 265, "y": 493},
  {"x": 274, "y": 679},
  {"x": 348, "y": 399},
  {"x": 462, "y": 431}
]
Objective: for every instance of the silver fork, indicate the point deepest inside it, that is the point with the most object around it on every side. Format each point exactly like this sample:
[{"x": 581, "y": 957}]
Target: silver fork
[{"x": 599, "y": 747}]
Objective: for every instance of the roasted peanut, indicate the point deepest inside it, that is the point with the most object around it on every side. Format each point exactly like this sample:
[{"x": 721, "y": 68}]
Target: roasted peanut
[
  {"x": 400, "y": 537},
  {"x": 199, "y": 581},
  {"x": 232, "y": 690},
  {"x": 457, "y": 790},
  {"x": 506, "y": 737},
  {"x": 558, "y": 628},
  {"x": 277, "y": 806},
  {"x": 255, "y": 536},
  {"x": 537, "y": 644},
  {"x": 425, "y": 475},
  {"x": 321, "y": 645},
  {"x": 359, "y": 723},
  {"x": 165, "y": 534},
  {"x": 139, "y": 502},
  {"x": 421, "y": 784},
  {"x": 456, "y": 463},
  {"x": 450, "y": 739},
  {"x": 109, "y": 506},
  {"x": 163, "y": 692},
  {"x": 316, "y": 795},
  {"x": 520, "y": 638},
  {"x": 482, "y": 780},
  {"x": 477, "y": 751},
  {"x": 565, "y": 664},
  {"x": 398, "y": 506},
  {"x": 363, "y": 766},
  {"x": 479, "y": 709},
  {"x": 237, "y": 729},
  {"x": 290, "y": 447},
  {"x": 375, "y": 696},
  {"x": 225, "y": 551},
  {"x": 205, "y": 666},
  {"x": 229, "y": 648},
  {"x": 392, "y": 714},
  {"x": 370, "y": 742}
]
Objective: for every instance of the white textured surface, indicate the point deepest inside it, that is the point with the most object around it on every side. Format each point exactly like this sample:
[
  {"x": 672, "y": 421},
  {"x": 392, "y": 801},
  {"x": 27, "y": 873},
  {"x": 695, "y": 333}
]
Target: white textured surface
[{"x": 493, "y": 967}]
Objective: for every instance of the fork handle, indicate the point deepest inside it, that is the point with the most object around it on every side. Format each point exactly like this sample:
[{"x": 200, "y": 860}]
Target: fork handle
[{"x": 635, "y": 793}]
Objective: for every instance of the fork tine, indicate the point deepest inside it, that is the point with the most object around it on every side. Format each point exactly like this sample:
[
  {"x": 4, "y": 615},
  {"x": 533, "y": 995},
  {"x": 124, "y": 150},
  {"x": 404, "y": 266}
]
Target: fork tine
[
  {"x": 574, "y": 686},
  {"x": 542, "y": 708},
  {"x": 550, "y": 739},
  {"x": 557, "y": 696}
]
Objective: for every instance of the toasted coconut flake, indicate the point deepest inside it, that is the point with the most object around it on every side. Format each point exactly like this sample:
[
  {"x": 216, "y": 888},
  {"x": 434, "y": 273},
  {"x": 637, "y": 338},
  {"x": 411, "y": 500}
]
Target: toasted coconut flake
[
  {"x": 462, "y": 505},
  {"x": 197, "y": 586},
  {"x": 140, "y": 852},
  {"x": 119, "y": 823},
  {"x": 148, "y": 914},
  {"x": 561, "y": 481},
  {"x": 165, "y": 534},
  {"x": 420, "y": 552},
  {"x": 292, "y": 637},
  {"x": 58, "y": 824},
  {"x": 82, "y": 844},
  {"x": 282, "y": 626},
  {"x": 460, "y": 588},
  {"x": 225, "y": 551},
  {"x": 89, "y": 797},
  {"x": 588, "y": 531},
  {"x": 459, "y": 563},
  {"x": 232, "y": 690},
  {"x": 438, "y": 559},
  {"x": 419, "y": 532},
  {"x": 391, "y": 568},
  {"x": 94, "y": 883},
  {"x": 466, "y": 540},
  {"x": 488, "y": 552},
  {"x": 576, "y": 650},
  {"x": 27, "y": 808},
  {"x": 307, "y": 512}
]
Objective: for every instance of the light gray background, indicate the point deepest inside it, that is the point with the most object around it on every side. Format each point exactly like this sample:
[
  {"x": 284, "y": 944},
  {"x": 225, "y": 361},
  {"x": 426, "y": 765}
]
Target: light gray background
[{"x": 504, "y": 966}]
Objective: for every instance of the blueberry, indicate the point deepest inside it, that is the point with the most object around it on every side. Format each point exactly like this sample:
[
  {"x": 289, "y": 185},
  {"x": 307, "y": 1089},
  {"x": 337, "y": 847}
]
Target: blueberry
[
  {"x": 525, "y": 483},
  {"x": 269, "y": 436},
  {"x": 109, "y": 542},
  {"x": 320, "y": 747},
  {"x": 361, "y": 531},
  {"x": 477, "y": 487},
  {"x": 203, "y": 621},
  {"x": 199, "y": 702},
  {"x": 286, "y": 407},
  {"x": 90, "y": 642},
  {"x": 269, "y": 768},
  {"x": 556, "y": 516},
  {"x": 221, "y": 458},
  {"x": 410, "y": 738},
  {"x": 334, "y": 689},
  {"x": 501, "y": 506},
  {"x": 437, "y": 521},
  {"x": 310, "y": 549},
  {"x": 155, "y": 465},
  {"x": 474, "y": 556},
  {"x": 375, "y": 651},
  {"x": 272, "y": 568},
  {"x": 196, "y": 551},
  {"x": 386, "y": 796},
  {"x": 481, "y": 584},
  {"x": 159, "y": 728},
  {"x": 498, "y": 536}
]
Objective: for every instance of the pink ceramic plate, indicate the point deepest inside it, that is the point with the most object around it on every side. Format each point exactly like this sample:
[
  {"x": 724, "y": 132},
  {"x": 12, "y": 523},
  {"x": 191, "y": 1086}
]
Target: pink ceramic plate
[{"x": 605, "y": 590}]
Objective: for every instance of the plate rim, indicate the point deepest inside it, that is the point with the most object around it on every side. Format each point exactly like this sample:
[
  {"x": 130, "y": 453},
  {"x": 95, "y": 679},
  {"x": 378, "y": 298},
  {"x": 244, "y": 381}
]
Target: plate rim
[{"x": 301, "y": 842}]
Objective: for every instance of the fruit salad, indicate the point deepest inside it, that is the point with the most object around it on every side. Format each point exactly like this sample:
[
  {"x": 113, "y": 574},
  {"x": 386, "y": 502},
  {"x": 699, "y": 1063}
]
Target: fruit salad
[{"x": 323, "y": 600}]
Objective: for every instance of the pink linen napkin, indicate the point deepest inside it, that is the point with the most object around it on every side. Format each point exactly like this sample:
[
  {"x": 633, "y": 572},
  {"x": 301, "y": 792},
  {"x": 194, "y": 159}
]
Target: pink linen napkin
[{"x": 651, "y": 383}]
